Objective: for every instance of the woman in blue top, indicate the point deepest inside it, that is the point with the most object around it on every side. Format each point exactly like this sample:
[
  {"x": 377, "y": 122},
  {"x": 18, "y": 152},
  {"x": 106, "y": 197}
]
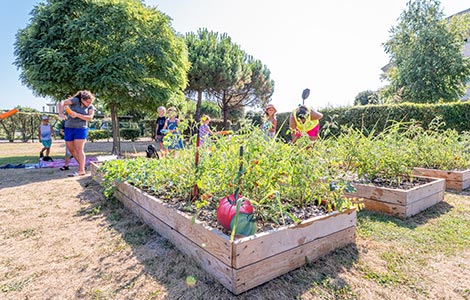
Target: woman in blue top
[{"x": 79, "y": 112}]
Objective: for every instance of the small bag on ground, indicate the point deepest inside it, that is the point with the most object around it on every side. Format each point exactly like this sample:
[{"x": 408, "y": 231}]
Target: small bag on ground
[{"x": 151, "y": 152}]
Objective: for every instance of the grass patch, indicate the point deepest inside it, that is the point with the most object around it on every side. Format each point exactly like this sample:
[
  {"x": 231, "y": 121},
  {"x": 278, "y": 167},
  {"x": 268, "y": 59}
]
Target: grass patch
[
  {"x": 447, "y": 234},
  {"x": 25, "y": 233},
  {"x": 16, "y": 160},
  {"x": 138, "y": 235},
  {"x": 16, "y": 286}
]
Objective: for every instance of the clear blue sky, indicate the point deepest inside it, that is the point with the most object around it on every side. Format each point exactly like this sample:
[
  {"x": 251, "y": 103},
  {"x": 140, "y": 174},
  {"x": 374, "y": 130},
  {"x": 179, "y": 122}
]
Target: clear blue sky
[{"x": 334, "y": 47}]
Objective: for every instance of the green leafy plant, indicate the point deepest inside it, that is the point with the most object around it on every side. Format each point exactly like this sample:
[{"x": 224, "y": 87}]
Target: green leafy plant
[{"x": 281, "y": 180}]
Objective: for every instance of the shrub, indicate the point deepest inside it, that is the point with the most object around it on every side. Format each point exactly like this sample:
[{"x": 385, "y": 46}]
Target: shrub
[
  {"x": 94, "y": 135},
  {"x": 131, "y": 134}
]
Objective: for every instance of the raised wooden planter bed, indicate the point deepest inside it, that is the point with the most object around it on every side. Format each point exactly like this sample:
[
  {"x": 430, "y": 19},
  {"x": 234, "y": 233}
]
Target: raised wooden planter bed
[
  {"x": 246, "y": 262},
  {"x": 399, "y": 202},
  {"x": 455, "y": 180}
]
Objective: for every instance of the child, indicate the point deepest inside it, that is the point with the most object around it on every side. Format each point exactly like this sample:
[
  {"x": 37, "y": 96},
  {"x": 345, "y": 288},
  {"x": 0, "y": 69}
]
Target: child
[
  {"x": 304, "y": 120},
  {"x": 46, "y": 132},
  {"x": 204, "y": 129},
  {"x": 160, "y": 125},
  {"x": 270, "y": 124},
  {"x": 171, "y": 124}
]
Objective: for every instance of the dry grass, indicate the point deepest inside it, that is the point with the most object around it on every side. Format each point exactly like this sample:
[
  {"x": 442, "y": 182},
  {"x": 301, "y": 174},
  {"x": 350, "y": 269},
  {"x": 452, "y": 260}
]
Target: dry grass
[{"x": 60, "y": 239}]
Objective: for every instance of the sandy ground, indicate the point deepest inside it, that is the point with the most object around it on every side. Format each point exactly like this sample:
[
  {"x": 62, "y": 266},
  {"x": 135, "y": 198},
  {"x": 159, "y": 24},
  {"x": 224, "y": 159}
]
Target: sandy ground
[{"x": 60, "y": 239}]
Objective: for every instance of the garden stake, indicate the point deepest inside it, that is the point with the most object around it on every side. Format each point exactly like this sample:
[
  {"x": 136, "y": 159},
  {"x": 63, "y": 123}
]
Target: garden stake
[
  {"x": 196, "y": 163},
  {"x": 239, "y": 201}
]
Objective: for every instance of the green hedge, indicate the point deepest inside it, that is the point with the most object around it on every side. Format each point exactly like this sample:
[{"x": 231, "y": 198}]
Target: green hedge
[
  {"x": 94, "y": 135},
  {"x": 374, "y": 118},
  {"x": 377, "y": 117},
  {"x": 24, "y": 125},
  {"x": 131, "y": 134}
]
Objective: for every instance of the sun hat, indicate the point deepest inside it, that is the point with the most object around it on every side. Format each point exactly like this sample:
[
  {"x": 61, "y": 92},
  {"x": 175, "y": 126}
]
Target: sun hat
[
  {"x": 44, "y": 118},
  {"x": 270, "y": 106}
]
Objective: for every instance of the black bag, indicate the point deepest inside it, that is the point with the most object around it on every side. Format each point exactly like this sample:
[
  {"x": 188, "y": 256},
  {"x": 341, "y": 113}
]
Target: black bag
[{"x": 151, "y": 152}]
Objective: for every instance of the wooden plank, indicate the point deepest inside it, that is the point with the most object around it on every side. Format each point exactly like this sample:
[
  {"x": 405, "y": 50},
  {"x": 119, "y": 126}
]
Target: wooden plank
[
  {"x": 465, "y": 184},
  {"x": 423, "y": 204},
  {"x": 455, "y": 185},
  {"x": 396, "y": 210},
  {"x": 447, "y": 175},
  {"x": 394, "y": 196},
  {"x": 398, "y": 196},
  {"x": 211, "y": 264},
  {"x": 455, "y": 180},
  {"x": 466, "y": 175},
  {"x": 274, "y": 266},
  {"x": 98, "y": 177},
  {"x": 213, "y": 240},
  {"x": 212, "y": 249},
  {"x": 266, "y": 244},
  {"x": 434, "y": 186}
]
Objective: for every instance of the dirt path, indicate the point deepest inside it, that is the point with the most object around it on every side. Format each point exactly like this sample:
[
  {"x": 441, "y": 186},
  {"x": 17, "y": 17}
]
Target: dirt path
[{"x": 59, "y": 239}]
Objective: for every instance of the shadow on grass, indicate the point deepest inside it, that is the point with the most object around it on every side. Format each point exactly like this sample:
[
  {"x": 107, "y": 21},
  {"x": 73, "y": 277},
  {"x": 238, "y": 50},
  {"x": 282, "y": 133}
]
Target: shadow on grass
[
  {"x": 184, "y": 279},
  {"x": 423, "y": 217}
]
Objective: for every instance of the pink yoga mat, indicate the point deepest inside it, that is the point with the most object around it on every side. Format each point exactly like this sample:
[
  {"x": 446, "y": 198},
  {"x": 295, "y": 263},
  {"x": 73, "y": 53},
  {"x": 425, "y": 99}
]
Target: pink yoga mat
[{"x": 57, "y": 163}]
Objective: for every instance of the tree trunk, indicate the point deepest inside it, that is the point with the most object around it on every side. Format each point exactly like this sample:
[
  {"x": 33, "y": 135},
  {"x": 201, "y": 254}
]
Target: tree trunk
[
  {"x": 225, "y": 112},
  {"x": 115, "y": 127},
  {"x": 9, "y": 130},
  {"x": 198, "y": 106}
]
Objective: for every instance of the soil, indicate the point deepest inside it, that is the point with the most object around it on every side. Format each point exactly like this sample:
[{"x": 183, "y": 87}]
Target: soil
[
  {"x": 208, "y": 216},
  {"x": 60, "y": 239}
]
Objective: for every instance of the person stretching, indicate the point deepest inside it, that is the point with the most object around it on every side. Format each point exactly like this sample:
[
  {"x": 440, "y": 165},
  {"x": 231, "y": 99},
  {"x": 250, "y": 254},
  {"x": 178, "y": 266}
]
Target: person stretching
[{"x": 80, "y": 111}]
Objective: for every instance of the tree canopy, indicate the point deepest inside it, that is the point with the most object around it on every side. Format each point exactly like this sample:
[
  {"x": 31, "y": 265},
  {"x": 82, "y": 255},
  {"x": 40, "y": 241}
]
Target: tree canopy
[
  {"x": 123, "y": 51},
  {"x": 428, "y": 65},
  {"x": 225, "y": 73}
]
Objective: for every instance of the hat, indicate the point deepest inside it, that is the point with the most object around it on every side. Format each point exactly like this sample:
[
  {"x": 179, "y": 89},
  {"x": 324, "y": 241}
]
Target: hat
[
  {"x": 44, "y": 118},
  {"x": 270, "y": 106}
]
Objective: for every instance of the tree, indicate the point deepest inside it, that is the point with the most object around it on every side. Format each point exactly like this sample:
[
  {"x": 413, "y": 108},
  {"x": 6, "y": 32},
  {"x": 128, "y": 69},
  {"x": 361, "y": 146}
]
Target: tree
[
  {"x": 120, "y": 49},
  {"x": 366, "y": 97},
  {"x": 247, "y": 83},
  {"x": 426, "y": 55},
  {"x": 201, "y": 76},
  {"x": 225, "y": 73}
]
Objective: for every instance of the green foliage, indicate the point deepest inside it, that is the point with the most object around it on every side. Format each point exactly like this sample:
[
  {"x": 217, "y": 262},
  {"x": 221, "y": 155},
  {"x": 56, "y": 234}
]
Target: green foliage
[
  {"x": 119, "y": 49},
  {"x": 366, "y": 97},
  {"x": 376, "y": 118},
  {"x": 428, "y": 65},
  {"x": 301, "y": 177},
  {"x": 226, "y": 73},
  {"x": 94, "y": 135},
  {"x": 26, "y": 123},
  {"x": 131, "y": 134},
  {"x": 437, "y": 148},
  {"x": 391, "y": 155},
  {"x": 122, "y": 50}
]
